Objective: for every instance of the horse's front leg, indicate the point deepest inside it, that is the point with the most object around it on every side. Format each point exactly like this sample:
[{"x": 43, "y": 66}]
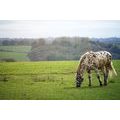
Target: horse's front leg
[{"x": 89, "y": 77}]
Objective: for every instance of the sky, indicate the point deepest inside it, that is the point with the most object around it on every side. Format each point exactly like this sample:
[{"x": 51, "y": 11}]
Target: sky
[{"x": 57, "y": 28}]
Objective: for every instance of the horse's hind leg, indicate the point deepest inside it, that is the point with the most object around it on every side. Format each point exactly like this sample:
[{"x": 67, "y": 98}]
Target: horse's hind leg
[
  {"x": 106, "y": 76},
  {"x": 98, "y": 76},
  {"x": 89, "y": 77}
]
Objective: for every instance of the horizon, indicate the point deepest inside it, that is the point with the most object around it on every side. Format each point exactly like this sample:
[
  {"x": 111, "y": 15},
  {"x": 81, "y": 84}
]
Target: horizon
[{"x": 56, "y": 37}]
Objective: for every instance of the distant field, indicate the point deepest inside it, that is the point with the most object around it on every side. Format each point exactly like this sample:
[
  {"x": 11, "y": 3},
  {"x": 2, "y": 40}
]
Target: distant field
[
  {"x": 14, "y": 55},
  {"x": 52, "y": 80},
  {"x": 19, "y": 53}
]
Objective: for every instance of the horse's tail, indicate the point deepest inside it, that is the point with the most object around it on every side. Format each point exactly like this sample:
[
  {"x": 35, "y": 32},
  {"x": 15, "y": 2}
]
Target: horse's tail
[{"x": 112, "y": 70}]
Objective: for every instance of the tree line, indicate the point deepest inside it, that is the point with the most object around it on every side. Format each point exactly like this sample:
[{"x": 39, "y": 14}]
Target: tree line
[
  {"x": 64, "y": 48},
  {"x": 69, "y": 48}
]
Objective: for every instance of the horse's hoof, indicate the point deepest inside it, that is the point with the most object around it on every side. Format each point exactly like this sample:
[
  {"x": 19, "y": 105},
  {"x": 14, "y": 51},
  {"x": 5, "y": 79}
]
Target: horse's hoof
[
  {"x": 105, "y": 84},
  {"x": 89, "y": 85},
  {"x": 100, "y": 84},
  {"x": 77, "y": 86}
]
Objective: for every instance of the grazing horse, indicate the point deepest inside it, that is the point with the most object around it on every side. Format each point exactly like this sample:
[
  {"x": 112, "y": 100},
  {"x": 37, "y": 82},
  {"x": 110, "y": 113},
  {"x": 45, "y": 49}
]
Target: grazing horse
[{"x": 101, "y": 60}]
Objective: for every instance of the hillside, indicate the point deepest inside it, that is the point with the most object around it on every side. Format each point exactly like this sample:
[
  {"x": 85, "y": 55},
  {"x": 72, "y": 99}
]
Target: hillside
[{"x": 114, "y": 40}]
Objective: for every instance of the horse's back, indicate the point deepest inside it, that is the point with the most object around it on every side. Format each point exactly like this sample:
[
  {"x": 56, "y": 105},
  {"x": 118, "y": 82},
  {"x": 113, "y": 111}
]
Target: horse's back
[
  {"x": 104, "y": 55},
  {"x": 99, "y": 59}
]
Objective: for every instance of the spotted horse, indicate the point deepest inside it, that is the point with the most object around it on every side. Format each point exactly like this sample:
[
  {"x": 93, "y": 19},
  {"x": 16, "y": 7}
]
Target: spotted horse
[{"x": 97, "y": 61}]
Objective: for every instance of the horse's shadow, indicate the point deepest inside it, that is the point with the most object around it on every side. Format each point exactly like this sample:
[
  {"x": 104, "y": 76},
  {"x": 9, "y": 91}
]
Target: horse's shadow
[{"x": 84, "y": 87}]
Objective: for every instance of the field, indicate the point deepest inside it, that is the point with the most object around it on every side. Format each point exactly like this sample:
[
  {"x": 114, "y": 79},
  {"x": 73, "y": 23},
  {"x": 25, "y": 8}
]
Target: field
[
  {"x": 50, "y": 80},
  {"x": 18, "y": 53}
]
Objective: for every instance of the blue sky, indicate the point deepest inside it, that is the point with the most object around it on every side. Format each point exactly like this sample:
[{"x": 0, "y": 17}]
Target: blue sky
[{"x": 56, "y": 28}]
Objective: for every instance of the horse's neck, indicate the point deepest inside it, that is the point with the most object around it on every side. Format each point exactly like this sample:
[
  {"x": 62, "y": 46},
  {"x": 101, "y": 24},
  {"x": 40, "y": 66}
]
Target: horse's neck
[{"x": 81, "y": 69}]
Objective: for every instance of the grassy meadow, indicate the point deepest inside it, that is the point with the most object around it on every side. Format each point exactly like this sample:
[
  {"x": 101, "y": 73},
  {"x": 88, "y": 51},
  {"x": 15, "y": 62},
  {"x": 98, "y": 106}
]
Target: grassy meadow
[{"x": 52, "y": 80}]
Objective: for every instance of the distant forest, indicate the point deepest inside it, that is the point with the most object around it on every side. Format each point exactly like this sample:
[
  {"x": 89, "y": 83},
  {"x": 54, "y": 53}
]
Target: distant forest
[{"x": 64, "y": 48}]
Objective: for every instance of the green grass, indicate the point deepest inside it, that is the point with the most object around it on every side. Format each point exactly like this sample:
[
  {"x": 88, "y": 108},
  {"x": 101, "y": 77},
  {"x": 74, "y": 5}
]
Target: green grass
[
  {"x": 52, "y": 80},
  {"x": 18, "y": 53}
]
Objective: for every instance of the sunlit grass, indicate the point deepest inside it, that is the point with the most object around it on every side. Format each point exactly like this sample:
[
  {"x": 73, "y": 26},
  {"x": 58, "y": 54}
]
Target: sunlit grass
[{"x": 52, "y": 80}]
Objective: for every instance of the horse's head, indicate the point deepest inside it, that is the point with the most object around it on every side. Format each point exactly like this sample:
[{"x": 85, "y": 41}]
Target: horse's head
[{"x": 79, "y": 79}]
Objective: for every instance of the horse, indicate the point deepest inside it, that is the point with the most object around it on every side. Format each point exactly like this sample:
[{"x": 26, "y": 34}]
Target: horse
[{"x": 97, "y": 61}]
